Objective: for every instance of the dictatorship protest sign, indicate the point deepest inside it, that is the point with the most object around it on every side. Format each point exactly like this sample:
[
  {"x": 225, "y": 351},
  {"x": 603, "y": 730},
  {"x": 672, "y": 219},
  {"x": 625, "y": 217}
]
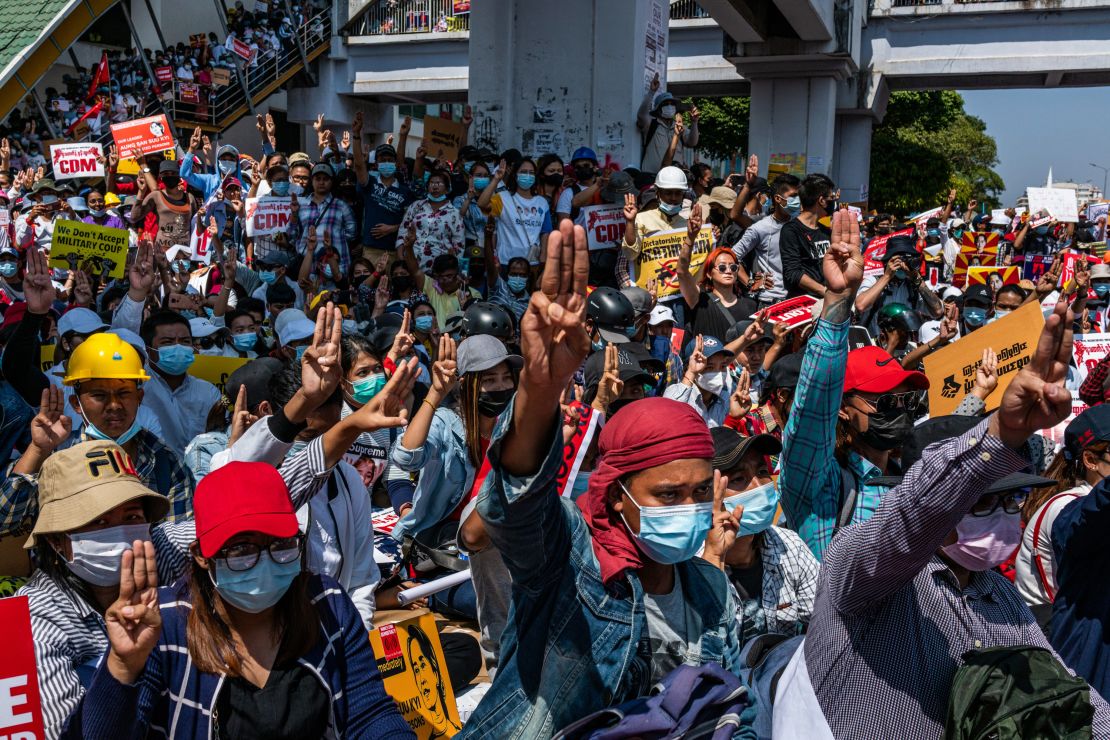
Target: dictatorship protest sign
[
  {"x": 71, "y": 161},
  {"x": 659, "y": 259},
  {"x": 268, "y": 215},
  {"x": 20, "y": 705},
  {"x": 793, "y": 312},
  {"x": 414, "y": 671},
  {"x": 604, "y": 226},
  {"x": 1059, "y": 202},
  {"x": 144, "y": 136},
  {"x": 216, "y": 370},
  {"x": 952, "y": 369},
  {"x": 92, "y": 248},
  {"x": 443, "y": 137}
]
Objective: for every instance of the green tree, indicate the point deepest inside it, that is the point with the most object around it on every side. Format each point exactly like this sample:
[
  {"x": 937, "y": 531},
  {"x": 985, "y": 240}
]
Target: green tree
[
  {"x": 723, "y": 126},
  {"x": 926, "y": 145}
]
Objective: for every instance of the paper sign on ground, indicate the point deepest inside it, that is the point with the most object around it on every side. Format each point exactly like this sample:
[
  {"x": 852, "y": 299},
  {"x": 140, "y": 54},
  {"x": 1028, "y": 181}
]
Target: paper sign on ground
[
  {"x": 71, "y": 161},
  {"x": 268, "y": 215},
  {"x": 216, "y": 370},
  {"x": 952, "y": 369},
  {"x": 20, "y": 705},
  {"x": 659, "y": 259},
  {"x": 604, "y": 225},
  {"x": 793, "y": 312},
  {"x": 95, "y": 248},
  {"x": 414, "y": 671},
  {"x": 1059, "y": 202},
  {"x": 144, "y": 136},
  {"x": 443, "y": 137}
]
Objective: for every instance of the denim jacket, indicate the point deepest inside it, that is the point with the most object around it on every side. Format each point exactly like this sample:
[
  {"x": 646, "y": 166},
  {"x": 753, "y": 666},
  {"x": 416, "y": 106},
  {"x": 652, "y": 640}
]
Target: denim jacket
[
  {"x": 570, "y": 644},
  {"x": 445, "y": 473}
]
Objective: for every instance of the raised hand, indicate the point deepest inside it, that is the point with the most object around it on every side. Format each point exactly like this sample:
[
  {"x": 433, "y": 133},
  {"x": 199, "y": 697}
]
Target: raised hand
[
  {"x": 141, "y": 273},
  {"x": 751, "y": 172},
  {"x": 82, "y": 289},
  {"x": 271, "y": 128},
  {"x": 740, "y": 402},
  {"x": 38, "y": 289},
  {"x": 404, "y": 341},
  {"x": 655, "y": 82},
  {"x": 610, "y": 386},
  {"x": 467, "y": 116},
  {"x": 51, "y": 426},
  {"x": 445, "y": 370},
  {"x": 698, "y": 361},
  {"x": 356, "y": 126},
  {"x": 1036, "y": 398},
  {"x": 693, "y": 226},
  {"x": 320, "y": 368},
  {"x": 842, "y": 264},
  {"x": 195, "y": 139},
  {"x": 986, "y": 378},
  {"x": 134, "y": 621},
  {"x": 113, "y": 156},
  {"x": 241, "y": 417},
  {"x": 388, "y": 408},
  {"x": 406, "y": 125},
  {"x": 630, "y": 207},
  {"x": 726, "y": 524}
]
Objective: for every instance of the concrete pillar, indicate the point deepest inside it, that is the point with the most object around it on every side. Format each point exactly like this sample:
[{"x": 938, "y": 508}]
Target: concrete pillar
[
  {"x": 553, "y": 92},
  {"x": 852, "y": 170},
  {"x": 794, "y": 116}
]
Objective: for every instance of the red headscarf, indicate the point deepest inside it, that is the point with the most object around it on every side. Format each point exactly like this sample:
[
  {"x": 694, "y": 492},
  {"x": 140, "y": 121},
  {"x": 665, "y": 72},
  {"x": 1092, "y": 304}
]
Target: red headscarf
[{"x": 645, "y": 434}]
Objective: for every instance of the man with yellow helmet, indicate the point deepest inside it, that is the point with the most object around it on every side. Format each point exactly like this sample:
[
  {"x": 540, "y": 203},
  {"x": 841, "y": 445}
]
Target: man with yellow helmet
[{"x": 106, "y": 374}]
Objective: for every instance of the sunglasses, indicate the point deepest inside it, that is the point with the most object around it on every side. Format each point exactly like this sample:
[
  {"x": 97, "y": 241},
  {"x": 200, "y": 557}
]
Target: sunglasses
[
  {"x": 1010, "y": 501},
  {"x": 910, "y": 401},
  {"x": 727, "y": 267}
]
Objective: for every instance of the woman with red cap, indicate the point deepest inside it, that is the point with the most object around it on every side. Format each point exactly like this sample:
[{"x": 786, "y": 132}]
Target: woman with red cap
[
  {"x": 609, "y": 593},
  {"x": 249, "y": 644}
]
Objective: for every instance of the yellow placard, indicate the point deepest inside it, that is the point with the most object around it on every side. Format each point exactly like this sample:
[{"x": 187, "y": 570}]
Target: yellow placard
[
  {"x": 659, "y": 258},
  {"x": 951, "y": 370},
  {"x": 96, "y": 248},
  {"x": 46, "y": 357},
  {"x": 216, "y": 369},
  {"x": 412, "y": 666}
]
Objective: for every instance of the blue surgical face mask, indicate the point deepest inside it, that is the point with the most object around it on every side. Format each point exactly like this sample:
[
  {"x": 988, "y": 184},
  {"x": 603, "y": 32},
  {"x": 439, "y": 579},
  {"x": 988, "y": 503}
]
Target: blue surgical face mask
[
  {"x": 175, "y": 359},
  {"x": 526, "y": 180},
  {"x": 94, "y": 432},
  {"x": 760, "y": 505},
  {"x": 671, "y": 209},
  {"x": 427, "y": 175},
  {"x": 467, "y": 167},
  {"x": 793, "y": 205},
  {"x": 597, "y": 344},
  {"x": 437, "y": 198},
  {"x": 244, "y": 342},
  {"x": 366, "y": 388},
  {"x": 280, "y": 188},
  {"x": 257, "y": 589},
  {"x": 181, "y": 266},
  {"x": 8, "y": 268},
  {"x": 517, "y": 283},
  {"x": 481, "y": 183},
  {"x": 268, "y": 276},
  {"x": 424, "y": 323},
  {"x": 296, "y": 189},
  {"x": 999, "y": 313},
  {"x": 226, "y": 167},
  {"x": 327, "y": 271},
  {"x": 300, "y": 352},
  {"x": 975, "y": 316},
  {"x": 671, "y": 534},
  {"x": 1041, "y": 230},
  {"x": 387, "y": 169},
  {"x": 1101, "y": 289},
  {"x": 96, "y": 213}
]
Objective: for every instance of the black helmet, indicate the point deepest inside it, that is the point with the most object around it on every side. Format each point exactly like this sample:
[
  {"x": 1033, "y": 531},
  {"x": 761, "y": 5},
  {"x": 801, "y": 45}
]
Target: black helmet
[
  {"x": 612, "y": 314},
  {"x": 484, "y": 317},
  {"x": 898, "y": 316}
]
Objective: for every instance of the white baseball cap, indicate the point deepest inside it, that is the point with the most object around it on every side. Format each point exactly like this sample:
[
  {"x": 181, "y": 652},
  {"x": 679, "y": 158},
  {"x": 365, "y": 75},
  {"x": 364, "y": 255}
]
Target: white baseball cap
[
  {"x": 178, "y": 251},
  {"x": 660, "y": 315},
  {"x": 201, "y": 327},
  {"x": 292, "y": 325},
  {"x": 80, "y": 321},
  {"x": 951, "y": 292}
]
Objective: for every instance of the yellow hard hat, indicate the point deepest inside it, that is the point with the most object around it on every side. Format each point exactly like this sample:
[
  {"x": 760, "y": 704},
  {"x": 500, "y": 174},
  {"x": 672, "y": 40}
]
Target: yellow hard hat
[
  {"x": 111, "y": 199},
  {"x": 104, "y": 356}
]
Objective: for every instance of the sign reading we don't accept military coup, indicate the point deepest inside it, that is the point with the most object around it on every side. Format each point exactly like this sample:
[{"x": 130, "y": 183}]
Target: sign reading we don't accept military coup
[{"x": 89, "y": 247}]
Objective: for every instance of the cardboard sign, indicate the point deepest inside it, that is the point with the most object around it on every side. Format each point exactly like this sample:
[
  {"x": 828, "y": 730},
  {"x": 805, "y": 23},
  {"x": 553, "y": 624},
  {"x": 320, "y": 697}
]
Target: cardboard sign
[
  {"x": 952, "y": 369},
  {"x": 216, "y": 369},
  {"x": 1059, "y": 202},
  {"x": 240, "y": 48},
  {"x": 995, "y": 277},
  {"x": 604, "y": 225},
  {"x": 410, "y": 661},
  {"x": 221, "y": 77},
  {"x": 71, "y": 161},
  {"x": 1033, "y": 265},
  {"x": 95, "y": 248},
  {"x": 144, "y": 136},
  {"x": 20, "y": 706},
  {"x": 659, "y": 259},
  {"x": 443, "y": 137},
  {"x": 266, "y": 215},
  {"x": 188, "y": 92},
  {"x": 793, "y": 312}
]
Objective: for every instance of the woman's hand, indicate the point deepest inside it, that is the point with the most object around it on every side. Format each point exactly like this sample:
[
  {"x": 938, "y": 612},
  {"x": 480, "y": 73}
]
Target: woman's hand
[
  {"x": 404, "y": 341},
  {"x": 134, "y": 621},
  {"x": 445, "y": 370}
]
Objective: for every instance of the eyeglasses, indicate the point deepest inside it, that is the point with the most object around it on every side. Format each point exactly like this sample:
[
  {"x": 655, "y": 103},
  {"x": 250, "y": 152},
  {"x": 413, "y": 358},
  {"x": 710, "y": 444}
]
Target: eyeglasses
[
  {"x": 245, "y": 555},
  {"x": 727, "y": 267},
  {"x": 910, "y": 401},
  {"x": 1011, "y": 502},
  {"x": 204, "y": 342}
]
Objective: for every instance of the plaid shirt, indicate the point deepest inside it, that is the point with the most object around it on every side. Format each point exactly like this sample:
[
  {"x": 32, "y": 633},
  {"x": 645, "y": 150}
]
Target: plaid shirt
[
  {"x": 333, "y": 216},
  {"x": 1092, "y": 391},
  {"x": 891, "y": 622},
  {"x": 810, "y": 482},
  {"x": 789, "y": 587},
  {"x": 759, "y": 420},
  {"x": 158, "y": 467}
]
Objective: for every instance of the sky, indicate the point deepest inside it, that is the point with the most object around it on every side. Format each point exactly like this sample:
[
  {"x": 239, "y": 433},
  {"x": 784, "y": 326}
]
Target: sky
[{"x": 1059, "y": 127}]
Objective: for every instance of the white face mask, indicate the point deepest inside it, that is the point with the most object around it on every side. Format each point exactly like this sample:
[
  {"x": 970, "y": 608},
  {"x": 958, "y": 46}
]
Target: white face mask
[
  {"x": 96, "y": 555},
  {"x": 213, "y": 351},
  {"x": 715, "y": 383},
  {"x": 667, "y": 111}
]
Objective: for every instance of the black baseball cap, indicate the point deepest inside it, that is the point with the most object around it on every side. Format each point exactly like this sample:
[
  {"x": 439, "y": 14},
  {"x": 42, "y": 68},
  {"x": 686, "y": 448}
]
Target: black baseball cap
[
  {"x": 628, "y": 369},
  {"x": 940, "y": 428},
  {"x": 783, "y": 374},
  {"x": 255, "y": 376},
  {"x": 1093, "y": 425},
  {"x": 901, "y": 244},
  {"x": 978, "y": 294},
  {"x": 729, "y": 447}
]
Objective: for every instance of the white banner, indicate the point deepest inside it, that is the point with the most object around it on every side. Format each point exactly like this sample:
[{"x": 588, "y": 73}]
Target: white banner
[
  {"x": 604, "y": 225},
  {"x": 1059, "y": 202},
  {"x": 71, "y": 161},
  {"x": 266, "y": 216}
]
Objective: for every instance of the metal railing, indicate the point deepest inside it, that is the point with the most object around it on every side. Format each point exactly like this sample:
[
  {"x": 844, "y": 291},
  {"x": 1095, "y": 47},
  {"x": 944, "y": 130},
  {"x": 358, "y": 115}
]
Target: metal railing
[
  {"x": 394, "y": 17},
  {"x": 933, "y": 3},
  {"x": 683, "y": 10}
]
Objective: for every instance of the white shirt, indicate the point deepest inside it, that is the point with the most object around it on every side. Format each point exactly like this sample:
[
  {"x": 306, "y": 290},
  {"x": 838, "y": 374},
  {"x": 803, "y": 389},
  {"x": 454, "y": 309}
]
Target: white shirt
[
  {"x": 182, "y": 413},
  {"x": 260, "y": 294},
  {"x": 1028, "y": 576}
]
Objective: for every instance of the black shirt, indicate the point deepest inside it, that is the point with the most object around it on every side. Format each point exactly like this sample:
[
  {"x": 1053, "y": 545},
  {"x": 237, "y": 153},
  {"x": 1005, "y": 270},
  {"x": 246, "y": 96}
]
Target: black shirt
[
  {"x": 708, "y": 319},
  {"x": 802, "y": 249},
  {"x": 293, "y": 704}
]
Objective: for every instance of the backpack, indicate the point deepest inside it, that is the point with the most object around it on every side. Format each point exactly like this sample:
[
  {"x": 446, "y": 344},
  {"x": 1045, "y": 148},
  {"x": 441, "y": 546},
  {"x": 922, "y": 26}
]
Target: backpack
[
  {"x": 1017, "y": 692},
  {"x": 763, "y": 660},
  {"x": 689, "y": 702}
]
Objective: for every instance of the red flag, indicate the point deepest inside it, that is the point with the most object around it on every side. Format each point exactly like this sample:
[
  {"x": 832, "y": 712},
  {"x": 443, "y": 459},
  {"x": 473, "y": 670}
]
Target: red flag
[
  {"x": 94, "y": 110},
  {"x": 100, "y": 78}
]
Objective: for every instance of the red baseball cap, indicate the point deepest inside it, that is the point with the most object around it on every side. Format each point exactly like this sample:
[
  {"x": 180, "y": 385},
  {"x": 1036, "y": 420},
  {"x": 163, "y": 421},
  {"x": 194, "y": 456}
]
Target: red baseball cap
[
  {"x": 872, "y": 370},
  {"x": 242, "y": 497}
]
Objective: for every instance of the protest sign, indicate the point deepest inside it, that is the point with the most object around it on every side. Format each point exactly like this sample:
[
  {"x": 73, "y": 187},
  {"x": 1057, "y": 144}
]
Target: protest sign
[
  {"x": 46, "y": 356},
  {"x": 995, "y": 277},
  {"x": 266, "y": 216},
  {"x": 411, "y": 663},
  {"x": 1088, "y": 349},
  {"x": 163, "y": 74},
  {"x": 188, "y": 92},
  {"x": 574, "y": 451},
  {"x": 659, "y": 259},
  {"x": 976, "y": 250},
  {"x": 384, "y": 520},
  {"x": 604, "y": 226},
  {"x": 1033, "y": 265},
  {"x": 1056, "y": 434},
  {"x": 144, "y": 136},
  {"x": 1070, "y": 258},
  {"x": 1097, "y": 213},
  {"x": 677, "y": 336},
  {"x": 1059, "y": 202},
  {"x": 999, "y": 217},
  {"x": 786, "y": 163},
  {"x": 216, "y": 369},
  {"x": 94, "y": 248},
  {"x": 793, "y": 312},
  {"x": 221, "y": 77},
  {"x": 5, "y": 218},
  {"x": 443, "y": 137},
  {"x": 197, "y": 40},
  {"x": 200, "y": 246},
  {"x": 240, "y": 48},
  {"x": 20, "y": 706},
  {"x": 71, "y": 161},
  {"x": 81, "y": 130},
  {"x": 952, "y": 369},
  {"x": 876, "y": 250}
]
